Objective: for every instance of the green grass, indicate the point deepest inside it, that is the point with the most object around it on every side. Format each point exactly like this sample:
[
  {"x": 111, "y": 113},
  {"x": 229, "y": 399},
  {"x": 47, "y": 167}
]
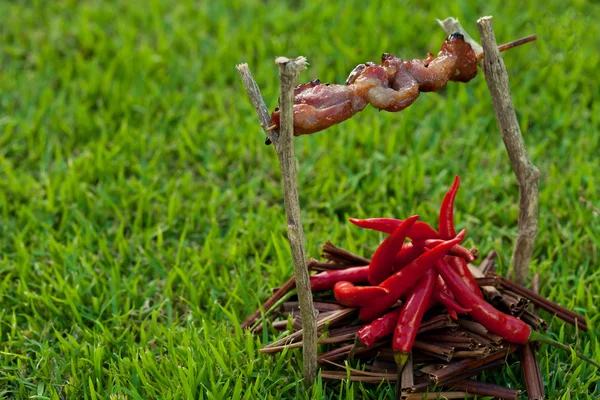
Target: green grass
[{"x": 141, "y": 214}]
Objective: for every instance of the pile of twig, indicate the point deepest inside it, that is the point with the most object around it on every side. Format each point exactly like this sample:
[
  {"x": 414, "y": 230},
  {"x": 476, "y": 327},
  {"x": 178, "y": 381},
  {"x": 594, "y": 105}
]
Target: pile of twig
[{"x": 447, "y": 353}]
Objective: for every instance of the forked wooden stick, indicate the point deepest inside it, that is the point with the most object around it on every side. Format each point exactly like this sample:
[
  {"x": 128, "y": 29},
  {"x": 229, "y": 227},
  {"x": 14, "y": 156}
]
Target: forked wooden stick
[
  {"x": 526, "y": 173},
  {"x": 284, "y": 146}
]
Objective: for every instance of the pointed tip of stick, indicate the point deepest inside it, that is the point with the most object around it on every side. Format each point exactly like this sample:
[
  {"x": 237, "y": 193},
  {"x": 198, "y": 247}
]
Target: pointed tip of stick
[
  {"x": 298, "y": 64},
  {"x": 241, "y": 67},
  {"x": 301, "y": 60},
  {"x": 448, "y": 20}
]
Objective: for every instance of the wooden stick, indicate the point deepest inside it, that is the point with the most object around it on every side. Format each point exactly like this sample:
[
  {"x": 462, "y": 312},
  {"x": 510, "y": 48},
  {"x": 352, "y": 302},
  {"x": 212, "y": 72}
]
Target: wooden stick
[
  {"x": 408, "y": 376},
  {"x": 486, "y": 389},
  {"x": 331, "y": 340},
  {"x": 328, "y": 266},
  {"x": 510, "y": 45},
  {"x": 530, "y": 369},
  {"x": 337, "y": 339},
  {"x": 289, "y": 70},
  {"x": 490, "y": 292},
  {"x": 480, "y": 330},
  {"x": 487, "y": 281},
  {"x": 452, "y": 340},
  {"x": 489, "y": 263},
  {"x": 451, "y": 24},
  {"x": 442, "y": 352},
  {"x": 336, "y": 354},
  {"x": 428, "y": 384},
  {"x": 456, "y": 369},
  {"x": 514, "y": 302},
  {"x": 321, "y": 306},
  {"x": 259, "y": 104},
  {"x": 438, "y": 395},
  {"x": 480, "y": 340},
  {"x": 518, "y": 42},
  {"x": 353, "y": 370},
  {"x": 527, "y": 174},
  {"x": 561, "y": 312},
  {"x": 429, "y": 368},
  {"x": 437, "y": 322},
  {"x": 535, "y": 321},
  {"x": 332, "y": 318},
  {"x": 338, "y": 255},
  {"x": 471, "y": 344},
  {"x": 284, "y": 147},
  {"x": 344, "y": 330},
  {"x": 342, "y": 375},
  {"x": 481, "y": 352}
]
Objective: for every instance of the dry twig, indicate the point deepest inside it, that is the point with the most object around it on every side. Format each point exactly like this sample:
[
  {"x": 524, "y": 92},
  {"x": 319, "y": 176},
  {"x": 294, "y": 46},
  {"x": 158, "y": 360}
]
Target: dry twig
[
  {"x": 530, "y": 369},
  {"x": 284, "y": 146},
  {"x": 527, "y": 174}
]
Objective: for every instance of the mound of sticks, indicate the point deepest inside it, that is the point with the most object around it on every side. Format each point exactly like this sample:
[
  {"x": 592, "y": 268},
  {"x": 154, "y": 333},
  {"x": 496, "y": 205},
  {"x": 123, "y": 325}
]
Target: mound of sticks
[{"x": 448, "y": 354}]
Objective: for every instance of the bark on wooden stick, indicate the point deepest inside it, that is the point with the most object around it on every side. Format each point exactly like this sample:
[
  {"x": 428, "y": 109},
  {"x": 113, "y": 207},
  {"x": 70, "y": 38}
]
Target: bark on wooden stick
[
  {"x": 288, "y": 75},
  {"x": 258, "y": 102},
  {"x": 527, "y": 174},
  {"x": 289, "y": 69}
]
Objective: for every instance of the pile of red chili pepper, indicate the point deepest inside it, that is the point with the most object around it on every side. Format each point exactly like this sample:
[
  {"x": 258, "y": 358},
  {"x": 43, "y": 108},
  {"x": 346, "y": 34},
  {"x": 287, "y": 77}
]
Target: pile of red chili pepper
[{"x": 418, "y": 270}]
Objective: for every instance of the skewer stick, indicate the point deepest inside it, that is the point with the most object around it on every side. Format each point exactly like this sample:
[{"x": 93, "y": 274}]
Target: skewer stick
[
  {"x": 451, "y": 24},
  {"x": 289, "y": 69},
  {"x": 517, "y": 42},
  {"x": 510, "y": 45}
]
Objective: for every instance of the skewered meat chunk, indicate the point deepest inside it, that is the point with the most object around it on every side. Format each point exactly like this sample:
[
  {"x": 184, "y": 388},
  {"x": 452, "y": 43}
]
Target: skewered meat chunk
[{"x": 392, "y": 86}]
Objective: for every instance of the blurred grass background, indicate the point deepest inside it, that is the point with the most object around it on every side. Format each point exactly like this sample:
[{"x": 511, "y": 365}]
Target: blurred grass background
[{"x": 142, "y": 216}]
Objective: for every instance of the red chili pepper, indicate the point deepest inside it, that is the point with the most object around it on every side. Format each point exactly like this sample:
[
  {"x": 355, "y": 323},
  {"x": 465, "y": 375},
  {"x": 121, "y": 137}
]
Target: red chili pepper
[
  {"x": 355, "y": 296},
  {"x": 444, "y": 297},
  {"x": 410, "y": 318},
  {"x": 409, "y": 253},
  {"x": 402, "y": 281},
  {"x": 440, "y": 286},
  {"x": 447, "y": 301},
  {"x": 383, "y": 260},
  {"x": 380, "y": 328},
  {"x": 511, "y": 329},
  {"x": 508, "y": 327},
  {"x": 327, "y": 280},
  {"x": 433, "y": 302},
  {"x": 457, "y": 250},
  {"x": 446, "y": 221},
  {"x": 419, "y": 231},
  {"x": 462, "y": 269},
  {"x": 411, "y": 250},
  {"x": 384, "y": 326}
]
